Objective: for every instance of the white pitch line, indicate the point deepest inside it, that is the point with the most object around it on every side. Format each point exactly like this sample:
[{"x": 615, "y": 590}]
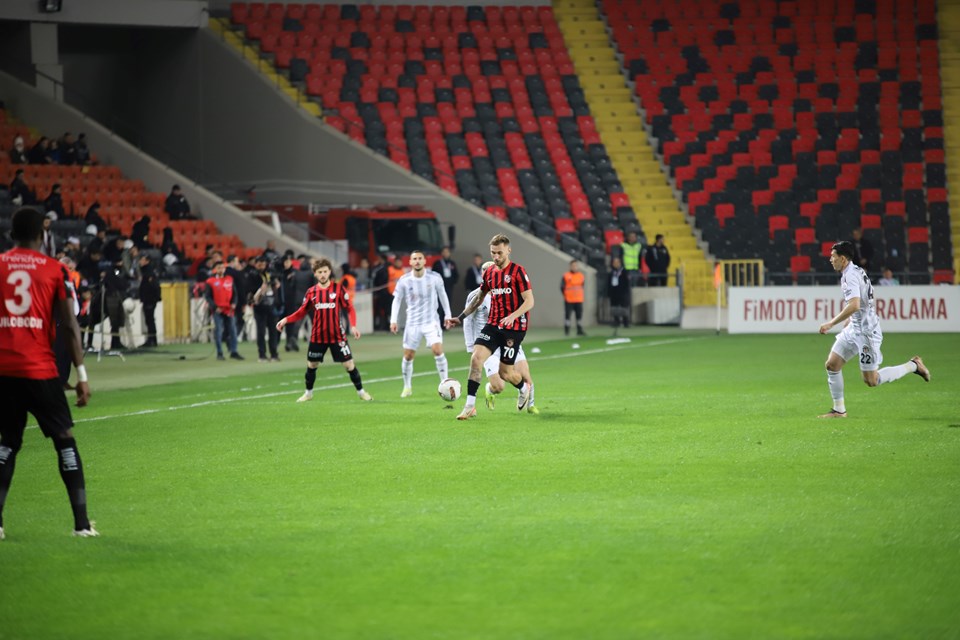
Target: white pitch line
[{"x": 274, "y": 394}]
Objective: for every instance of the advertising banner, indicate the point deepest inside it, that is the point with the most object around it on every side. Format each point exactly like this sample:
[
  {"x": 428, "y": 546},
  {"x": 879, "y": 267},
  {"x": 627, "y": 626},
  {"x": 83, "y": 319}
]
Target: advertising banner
[{"x": 902, "y": 309}]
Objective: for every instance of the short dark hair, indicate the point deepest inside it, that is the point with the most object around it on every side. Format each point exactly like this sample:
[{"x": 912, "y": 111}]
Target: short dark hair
[
  {"x": 844, "y": 248},
  {"x": 27, "y": 225}
]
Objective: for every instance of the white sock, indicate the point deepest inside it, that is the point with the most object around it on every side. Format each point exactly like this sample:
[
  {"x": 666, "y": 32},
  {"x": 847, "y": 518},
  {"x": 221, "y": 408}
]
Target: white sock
[
  {"x": 471, "y": 402},
  {"x": 489, "y": 390},
  {"x": 835, "y": 382},
  {"x": 889, "y": 374},
  {"x": 441, "y": 361},
  {"x": 530, "y": 400},
  {"x": 406, "y": 368}
]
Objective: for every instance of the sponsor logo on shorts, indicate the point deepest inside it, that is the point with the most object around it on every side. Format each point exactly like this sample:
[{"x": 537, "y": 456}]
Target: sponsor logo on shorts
[{"x": 483, "y": 336}]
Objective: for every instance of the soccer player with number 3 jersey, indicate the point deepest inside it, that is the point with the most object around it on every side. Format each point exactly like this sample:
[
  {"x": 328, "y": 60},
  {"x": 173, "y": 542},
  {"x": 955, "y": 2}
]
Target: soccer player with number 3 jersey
[
  {"x": 861, "y": 337},
  {"x": 33, "y": 298},
  {"x": 328, "y": 300},
  {"x": 511, "y": 298}
]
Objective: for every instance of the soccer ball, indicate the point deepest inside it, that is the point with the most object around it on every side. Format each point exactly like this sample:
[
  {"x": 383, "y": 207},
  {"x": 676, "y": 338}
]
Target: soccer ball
[{"x": 449, "y": 389}]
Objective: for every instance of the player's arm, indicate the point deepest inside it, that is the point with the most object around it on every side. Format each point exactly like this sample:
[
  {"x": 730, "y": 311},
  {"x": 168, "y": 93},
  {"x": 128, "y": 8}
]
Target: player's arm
[
  {"x": 444, "y": 300},
  {"x": 852, "y": 306},
  {"x": 296, "y": 315},
  {"x": 398, "y": 295},
  {"x": 467, "y": 310},
  {"x": 351, "y": 316},
  {"x": 524, "y": 307},
  {"x": 470, "y": 324},
  {"x": 71, "y": 334}
]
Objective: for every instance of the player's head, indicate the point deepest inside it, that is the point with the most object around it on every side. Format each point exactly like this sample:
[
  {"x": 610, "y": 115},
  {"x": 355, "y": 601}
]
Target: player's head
[
  {"x": 27, "y": 226},
  {"x": 219, "y": 268},
  {"x": 500, "y": 250},
  {"x": 322, "y": 270},
  {"x": 841, "y": 254},
  {"x": 417, "y": 261}
]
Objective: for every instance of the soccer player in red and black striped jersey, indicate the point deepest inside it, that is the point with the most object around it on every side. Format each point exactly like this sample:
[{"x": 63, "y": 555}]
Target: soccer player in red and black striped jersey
[
  {"x": 328, "y": 300},
  {"x": 511, "y": 299},
  {"x": 33, "y": 295}
]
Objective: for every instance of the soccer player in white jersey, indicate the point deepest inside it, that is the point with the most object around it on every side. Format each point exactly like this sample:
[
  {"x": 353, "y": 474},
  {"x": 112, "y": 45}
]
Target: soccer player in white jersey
[
  {"x": 472, "y": 325},
  {"x": 423, "y": 292},
  {"x": 861, "y": 336}
]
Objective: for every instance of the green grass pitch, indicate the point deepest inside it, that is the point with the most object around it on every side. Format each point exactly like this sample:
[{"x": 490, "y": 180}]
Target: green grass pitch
[{"x": 676, "y": 486}]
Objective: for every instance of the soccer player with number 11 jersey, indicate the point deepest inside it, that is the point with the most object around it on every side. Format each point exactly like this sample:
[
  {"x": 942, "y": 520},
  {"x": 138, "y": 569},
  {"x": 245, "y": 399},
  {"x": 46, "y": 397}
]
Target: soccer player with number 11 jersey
[{"x": 328, "y": 300}]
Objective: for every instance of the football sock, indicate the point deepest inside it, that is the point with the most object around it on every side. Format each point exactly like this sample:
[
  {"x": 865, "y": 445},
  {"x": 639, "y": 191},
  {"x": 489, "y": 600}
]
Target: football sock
[
  {"x": 355, "y": 379},
  {"x": 8, "y": 459},
  {"x": 406, "y": 368},
  {"x": 889, "y": 374},
  {"x": 472, "y": 387},
  {"x": 519, "y": 385},
  {"x": 835, "y": 382},
  {"x": 310, "y": 377},
  {"x": 488, "y": 390},
  {"x": 441, "y": 361},
  {"x": 71, "y": 470},
  {"x": 530, "y": 399}
]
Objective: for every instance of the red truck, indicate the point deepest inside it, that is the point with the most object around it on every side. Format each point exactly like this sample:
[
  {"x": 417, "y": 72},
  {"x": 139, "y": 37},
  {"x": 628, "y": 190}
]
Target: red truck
[{"x": 371, "y": 230}]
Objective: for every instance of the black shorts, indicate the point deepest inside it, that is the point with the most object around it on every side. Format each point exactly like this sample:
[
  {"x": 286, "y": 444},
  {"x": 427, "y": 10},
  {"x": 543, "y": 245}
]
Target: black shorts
[
  {"x": 44, "y": 399},
  {"x": 508, "y": 341},
  {"x": 340, "y": 350}
]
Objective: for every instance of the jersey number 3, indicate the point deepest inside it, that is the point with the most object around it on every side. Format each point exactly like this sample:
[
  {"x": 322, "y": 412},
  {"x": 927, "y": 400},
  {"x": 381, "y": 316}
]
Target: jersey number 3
[{"x": 21, "y": 301}]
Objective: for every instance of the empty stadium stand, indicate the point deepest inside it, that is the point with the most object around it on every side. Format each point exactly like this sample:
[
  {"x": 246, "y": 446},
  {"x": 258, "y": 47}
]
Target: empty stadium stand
[
  {"x": 483, "y": 101},
  {"x": 785, "y": 125}
]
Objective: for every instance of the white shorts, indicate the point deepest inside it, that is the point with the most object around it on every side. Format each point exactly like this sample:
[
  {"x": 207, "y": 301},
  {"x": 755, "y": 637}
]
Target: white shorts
[
  {"x": 492, "y": 364},
  {"x": 413, "y": 333},
  {"x": 850, "y": 345}
]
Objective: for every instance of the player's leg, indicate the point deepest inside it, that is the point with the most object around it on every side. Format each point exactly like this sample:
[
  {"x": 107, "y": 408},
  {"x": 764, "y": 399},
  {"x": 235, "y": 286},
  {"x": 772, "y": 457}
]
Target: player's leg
[
  {"x": 434, "y": 339},
  {"x": 481, "y": 351},
  {"x": 509, "y": 349},
  {"x": 406, "y": 371},
  {"x": 315, "y": 353},
  {"x": 843, "y": 349},
  {"x": 890, "y": 374},
  {"x": 523, "y": 368},
  {"x": 411, "y": 340},
  {"x": 11, "y": 434},
  {"x": 494, "y": 386},
  {"x": 343, "y": 355},
  {"x": 48, "y": 404}
]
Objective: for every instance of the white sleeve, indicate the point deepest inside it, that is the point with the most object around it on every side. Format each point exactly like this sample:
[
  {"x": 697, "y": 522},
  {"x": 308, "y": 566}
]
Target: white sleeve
[
  {"x": 398, "y": 295},
  {"x": 469, "y": 325},
  {"x": 444, "y": 301}
]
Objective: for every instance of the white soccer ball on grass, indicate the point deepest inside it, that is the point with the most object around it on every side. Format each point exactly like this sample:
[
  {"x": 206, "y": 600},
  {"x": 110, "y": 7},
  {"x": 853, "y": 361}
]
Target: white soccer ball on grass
[{"x": 449, "y": 389}]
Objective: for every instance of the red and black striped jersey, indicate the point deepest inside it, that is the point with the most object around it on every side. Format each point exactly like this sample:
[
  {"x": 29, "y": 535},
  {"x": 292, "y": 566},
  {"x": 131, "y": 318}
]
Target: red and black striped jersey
[
  {"x": 505, "y": 287},
  {"x": 327, "y": 305}
]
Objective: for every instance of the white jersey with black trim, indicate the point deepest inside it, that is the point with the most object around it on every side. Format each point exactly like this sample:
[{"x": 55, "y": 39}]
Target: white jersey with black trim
[
  {"x": 474, "y": 323},
  {"x": 423, "y": 295},
  {"x": 854, "y": 283}
]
